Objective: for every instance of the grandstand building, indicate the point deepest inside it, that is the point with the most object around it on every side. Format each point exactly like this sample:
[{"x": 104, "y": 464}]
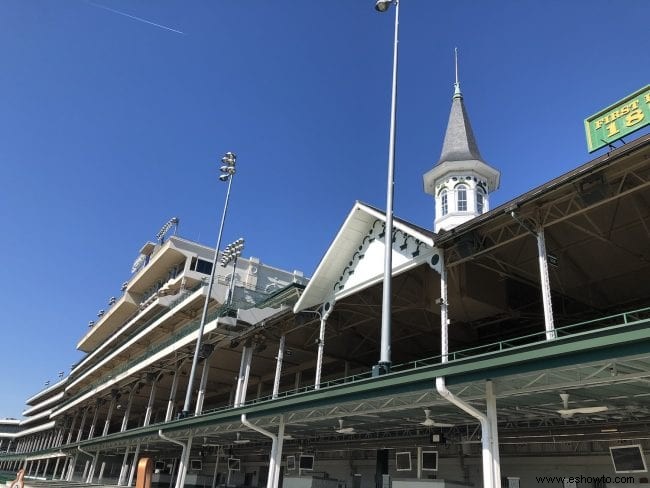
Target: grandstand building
[{"x": 520, "y": 348}]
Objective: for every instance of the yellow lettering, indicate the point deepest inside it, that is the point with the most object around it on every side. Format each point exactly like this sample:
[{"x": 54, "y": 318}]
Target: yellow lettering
[
  {"x": 634, "y": 117},
  {"x": 625, "y": 110},
  {"x": 612, "y": 130},
  {"x": 599, "y": 123},
  {"x": 634, "y": 104},
  {"x": 647, "y": 98}
]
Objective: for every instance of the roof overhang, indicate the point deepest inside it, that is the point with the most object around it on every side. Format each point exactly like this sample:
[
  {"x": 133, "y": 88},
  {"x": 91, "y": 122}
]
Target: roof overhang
[{"x": 354, "y": 260}]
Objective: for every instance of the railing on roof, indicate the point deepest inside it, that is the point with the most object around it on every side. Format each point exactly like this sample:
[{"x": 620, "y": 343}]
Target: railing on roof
[{"x": 573, "y": 330}]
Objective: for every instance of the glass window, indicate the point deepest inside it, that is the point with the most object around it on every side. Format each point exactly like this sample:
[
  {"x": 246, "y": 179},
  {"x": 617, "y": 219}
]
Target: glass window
[
  {"x": 461, "y": 198},
  {"x": 480, "y": 203},
  {"x": 443, "y": 203}
]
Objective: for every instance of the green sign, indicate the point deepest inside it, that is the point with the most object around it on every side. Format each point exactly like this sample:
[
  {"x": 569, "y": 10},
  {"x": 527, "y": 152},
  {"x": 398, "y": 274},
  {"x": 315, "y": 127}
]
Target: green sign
[{"x": 618, "y": 120}]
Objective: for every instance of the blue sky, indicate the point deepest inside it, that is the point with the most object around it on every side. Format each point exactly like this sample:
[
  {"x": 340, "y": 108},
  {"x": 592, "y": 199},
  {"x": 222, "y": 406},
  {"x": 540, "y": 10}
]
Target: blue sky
[{"x": 109, "y": 126}]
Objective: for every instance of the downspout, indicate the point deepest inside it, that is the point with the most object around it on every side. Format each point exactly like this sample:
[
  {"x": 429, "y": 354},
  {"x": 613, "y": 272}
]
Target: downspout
[
  {"x": 180, "y": 479},
  {"x": 274, "y": 447},
  {"x": 441, "y": 386}
]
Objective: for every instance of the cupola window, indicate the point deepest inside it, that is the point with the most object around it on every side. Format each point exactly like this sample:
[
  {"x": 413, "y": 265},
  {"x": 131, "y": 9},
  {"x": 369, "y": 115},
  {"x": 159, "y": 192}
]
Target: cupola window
[
  {"x": 480, "y": 202},
  {"x": 461, "y": 198},
  {"x": 444, "y": 206}
]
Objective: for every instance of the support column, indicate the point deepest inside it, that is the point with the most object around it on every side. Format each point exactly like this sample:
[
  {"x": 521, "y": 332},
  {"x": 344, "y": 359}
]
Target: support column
[
  {"x": 134, "y": 465},
  {"x": 152, "y": 399},
  {"x": 546, "y": 285},
  {"x": 184, "y": 462},
  {"x": 56, "y": 468},
  {"x": 111, "y": 407},
  {"x": 298, "y": 379},
  {"x": 172, "y": 395},
  {"x": 81, "y": 426},
  {"x": 72, "y": 426},
  {"x": 47, "y": 465},
  {"x": 127, "y": 410},
  {"x": 278, "y": 366},
  {"x": 66, "y": 461},
  {"x": 326, "y": 311},
  {"x": 200, "y": 396},
  {"x": 92, "y": 468},
  {"x": 93, "y": 424},
  {"x": 244, "y": 373},
  {"x": 72, "y": 467},
  {"x": 278, "y": 453},
  {"x": 101, "y": 472},
  {"x": 491, "y": 403},
  {"x": 120, "y": 479}
]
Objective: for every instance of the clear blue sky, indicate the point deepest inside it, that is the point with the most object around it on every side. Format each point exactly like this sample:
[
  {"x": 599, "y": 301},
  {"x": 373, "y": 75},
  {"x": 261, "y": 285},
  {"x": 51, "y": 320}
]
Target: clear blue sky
[{"x": 109, "y": 126}]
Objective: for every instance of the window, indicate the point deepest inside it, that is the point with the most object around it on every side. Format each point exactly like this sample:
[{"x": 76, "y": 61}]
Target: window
[
  {"x": 461, "y": 198},
  {"x": 201, "y": 266},
  {"x": 444, "y": 203},
  {"x": 480, "y": 202}
]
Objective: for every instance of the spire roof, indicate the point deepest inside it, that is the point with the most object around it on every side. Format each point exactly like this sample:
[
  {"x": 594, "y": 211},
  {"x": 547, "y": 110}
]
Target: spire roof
[{"x": 459, "y": 144}]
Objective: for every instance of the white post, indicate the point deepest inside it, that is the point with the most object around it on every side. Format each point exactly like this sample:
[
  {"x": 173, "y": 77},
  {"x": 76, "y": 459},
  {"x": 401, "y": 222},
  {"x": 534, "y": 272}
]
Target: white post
[
  {"x": 200, "y": 396},
  {"x": 172, "y": 396},
  {"x": 546, "y": 285},
  {"x": 491, "y": 403},
  {"x": 278, "y": 453},
  {"x": 127, "y": 410},
  {"x": 120, "y": 480},
  {"x": 278, "y": 366},
  {"x": 244, "y": 373},
  {"x": 152, "y": 398},
  {"x": 83, "y": 423},
  {"x": 107, "y": 423},
  {"x": 134, "y": 465},
  {"x": 91, "y": 432}
]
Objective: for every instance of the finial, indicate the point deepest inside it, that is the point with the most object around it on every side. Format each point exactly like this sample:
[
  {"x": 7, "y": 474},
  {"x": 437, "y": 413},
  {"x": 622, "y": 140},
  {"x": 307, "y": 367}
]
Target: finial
[{"x": 457, "y": 93}]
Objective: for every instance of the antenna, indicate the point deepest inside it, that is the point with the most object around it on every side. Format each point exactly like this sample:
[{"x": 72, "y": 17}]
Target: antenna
[{"x": 457, "y": 93}]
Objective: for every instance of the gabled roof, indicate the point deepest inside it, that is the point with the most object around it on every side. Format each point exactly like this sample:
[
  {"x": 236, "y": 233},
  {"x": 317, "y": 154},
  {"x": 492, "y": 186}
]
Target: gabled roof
[{"x": 354, "y": 260}]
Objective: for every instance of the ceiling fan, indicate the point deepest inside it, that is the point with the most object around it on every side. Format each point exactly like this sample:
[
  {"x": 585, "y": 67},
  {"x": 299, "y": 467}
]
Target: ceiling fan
[
  {"x": 240, "y": 441},
  {"x": 567, "y": 413},
  {"x": 429, "y": 422},
  {"x": 345, "y": 430}
]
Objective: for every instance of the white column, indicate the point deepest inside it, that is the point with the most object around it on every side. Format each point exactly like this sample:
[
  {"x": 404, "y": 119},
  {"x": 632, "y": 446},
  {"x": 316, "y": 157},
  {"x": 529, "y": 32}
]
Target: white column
[
  {"x": 491, "y": 403},
  {"x": 107, "y": 423},
  {"x": 278, "y": 454},
  {"x": 91, "y": 432},
  {"x": 81, "y": 426},
  {"x": 278, "y": 367},
  {"x": 120, "y": 479},
  {"x": 546, "y": 285},
  {"x": 321, "y": 343},
  {"x": 200, "y": 396},
  {"x": 72, "y": 426},
  {"x": 134, "y": 465},
  {"x": 172, "y": 395},
  {"x": 244, "y": 373},
  {"x": 152, "y": 398},
  {"x": 182, "y": 465},
  {"x": 127, "y": 410}
]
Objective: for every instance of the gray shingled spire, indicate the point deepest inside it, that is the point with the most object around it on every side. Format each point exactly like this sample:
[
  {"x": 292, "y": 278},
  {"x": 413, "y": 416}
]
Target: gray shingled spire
[{"x": 460, "y": 144}]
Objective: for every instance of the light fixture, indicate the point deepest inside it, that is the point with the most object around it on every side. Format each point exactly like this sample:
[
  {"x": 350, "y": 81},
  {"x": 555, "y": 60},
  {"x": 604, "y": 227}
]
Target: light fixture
[{"x": 383, "y": 5}]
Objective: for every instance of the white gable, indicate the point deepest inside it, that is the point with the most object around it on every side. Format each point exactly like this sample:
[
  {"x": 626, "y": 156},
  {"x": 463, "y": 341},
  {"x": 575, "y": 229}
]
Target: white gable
[{"x": 355, "y": 260}]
